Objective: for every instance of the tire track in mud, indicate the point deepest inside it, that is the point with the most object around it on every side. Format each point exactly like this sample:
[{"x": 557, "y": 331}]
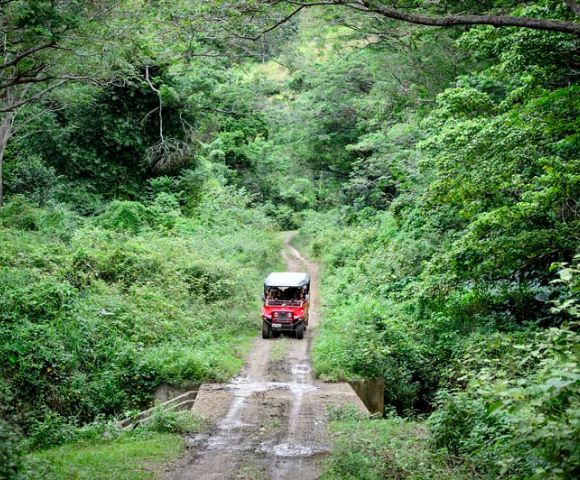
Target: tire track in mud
[{"x": 271, "y": 420}]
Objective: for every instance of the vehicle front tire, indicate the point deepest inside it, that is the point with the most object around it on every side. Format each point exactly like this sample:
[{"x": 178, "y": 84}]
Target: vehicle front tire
[
  {"x": 300, "y": 331},
  {"x": 265, "y": 330}
]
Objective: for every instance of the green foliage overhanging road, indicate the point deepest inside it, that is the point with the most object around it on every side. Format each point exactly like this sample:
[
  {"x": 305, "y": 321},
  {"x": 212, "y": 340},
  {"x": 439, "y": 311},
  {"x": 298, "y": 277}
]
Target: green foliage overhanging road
[{"x": 150, "y": 151}]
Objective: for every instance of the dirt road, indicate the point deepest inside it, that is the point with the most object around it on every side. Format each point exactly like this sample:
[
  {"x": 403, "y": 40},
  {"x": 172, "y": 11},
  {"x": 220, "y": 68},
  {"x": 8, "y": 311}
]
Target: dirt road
[{"x": 271, "y": 420}]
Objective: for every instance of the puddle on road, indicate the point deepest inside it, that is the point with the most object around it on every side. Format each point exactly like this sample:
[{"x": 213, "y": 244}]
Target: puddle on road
[
  {"x": 235, "y": 424},
  {"x": 299, "y": 370},
  {"x": 243, "y": 388},
  {"x": 196, "y": 439},
  {"x": 292, "y": 450}
]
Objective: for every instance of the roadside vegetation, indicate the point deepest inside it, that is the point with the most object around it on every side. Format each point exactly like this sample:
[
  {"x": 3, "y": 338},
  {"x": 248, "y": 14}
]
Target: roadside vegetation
[
  {"x": 451, "y": 270},
  {"x": 129, "y": 258},
  {"x": 97, "y": 313},
  {"x": 104, "y": 450},
  {"x": 394, "y": 447},
  {"x": 152, "y": 152},
  {"x": 131, "y": 457}
]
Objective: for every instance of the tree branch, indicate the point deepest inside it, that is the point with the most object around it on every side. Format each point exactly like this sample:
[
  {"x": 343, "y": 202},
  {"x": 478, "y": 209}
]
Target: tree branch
[
  {"x": 273, "y": 27},
  {"x": 24, "y": 80},
  {"x": 220, "y": 110},
  {"x": 44, "y": 111},
  {"x": 450, "y": 20},
  {"x": 158, "y": 92},
  {"x": 13, "y": 107},
  {"x": 18, "y": 58}
]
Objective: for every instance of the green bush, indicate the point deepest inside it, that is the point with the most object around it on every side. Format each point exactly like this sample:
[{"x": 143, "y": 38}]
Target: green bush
[
  {"x": 29, "y": 298},
  {"x": 393, "y": 448},
  {"x": 20, "y": 214},
  {"x": 286, "y": 217},
  {"x": 53, "y": 429},
  {"x": 522, "y": 425},
  {"x": 130, "y": 217},
  {"x": 29, "y": 175},
  {"x": 173, "y": 421},
  {"x": 11, "y": 455},
  {"x": 208, "y": 280}
]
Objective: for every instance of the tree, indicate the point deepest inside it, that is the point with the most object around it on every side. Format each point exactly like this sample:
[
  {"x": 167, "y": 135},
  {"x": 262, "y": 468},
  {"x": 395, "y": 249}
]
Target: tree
[{"x": 45, "y": 45}]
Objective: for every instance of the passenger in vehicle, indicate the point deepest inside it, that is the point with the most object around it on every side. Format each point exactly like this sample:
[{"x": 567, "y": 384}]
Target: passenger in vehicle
[
  {"x": 272, "y": 294},
  {"x": 268, "y": 295}
]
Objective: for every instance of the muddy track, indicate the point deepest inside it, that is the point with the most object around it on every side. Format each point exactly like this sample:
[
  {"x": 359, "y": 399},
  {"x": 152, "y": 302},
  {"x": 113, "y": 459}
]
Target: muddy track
[{"x": 271, "y": 420}]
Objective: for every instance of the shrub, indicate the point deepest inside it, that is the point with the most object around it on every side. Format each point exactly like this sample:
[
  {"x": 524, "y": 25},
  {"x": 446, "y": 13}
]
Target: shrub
[
  {"x": 173, "y": 421},
  {"x": 81, "y": 198},
  {"x": 28, "y": 298},
  {"x": 30, "y": 176},
  {"x": 20, "y": 214},
  {"x": 504, "y": 390},
  {"x": 286, "y": 217},
  {"x": 393, "y": 448},
  {"x": 52, "y": 429},
  {"x": 518, "y": 414},
  {"x": 208, "y": 280},
  {"x": 11, "y": 458},
  {"x": 126, "y": 216}
]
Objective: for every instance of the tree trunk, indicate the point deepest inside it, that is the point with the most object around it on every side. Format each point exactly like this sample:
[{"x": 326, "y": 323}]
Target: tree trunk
[{"x": 5, "y": 133}]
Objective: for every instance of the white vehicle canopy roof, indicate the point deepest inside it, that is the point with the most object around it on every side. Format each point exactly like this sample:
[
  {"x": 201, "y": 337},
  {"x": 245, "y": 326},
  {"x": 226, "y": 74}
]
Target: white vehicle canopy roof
[{"x": 287, "y": 279}]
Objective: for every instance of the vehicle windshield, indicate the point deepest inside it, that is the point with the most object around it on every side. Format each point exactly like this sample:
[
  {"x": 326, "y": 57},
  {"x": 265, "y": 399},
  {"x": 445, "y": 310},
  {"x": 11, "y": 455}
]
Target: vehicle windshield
[{"x": 291, "y": 296}]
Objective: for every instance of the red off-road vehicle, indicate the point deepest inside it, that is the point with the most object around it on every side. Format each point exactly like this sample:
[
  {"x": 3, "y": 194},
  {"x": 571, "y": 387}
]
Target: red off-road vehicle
[{"x": 286, "y": 302}]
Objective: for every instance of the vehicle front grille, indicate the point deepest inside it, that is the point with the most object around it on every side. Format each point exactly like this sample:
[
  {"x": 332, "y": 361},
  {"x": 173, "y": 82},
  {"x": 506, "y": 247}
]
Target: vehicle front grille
[{"x": 284, "y": 317}]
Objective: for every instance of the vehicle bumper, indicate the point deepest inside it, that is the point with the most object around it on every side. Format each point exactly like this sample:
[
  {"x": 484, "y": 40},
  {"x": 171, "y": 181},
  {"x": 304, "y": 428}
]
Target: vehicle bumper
[{"x": 283, "y": 327}]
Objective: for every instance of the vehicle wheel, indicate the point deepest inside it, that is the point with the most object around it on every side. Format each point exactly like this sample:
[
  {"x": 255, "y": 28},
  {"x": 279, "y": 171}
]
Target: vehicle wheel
[
  {"x": 300, "y": 331},
  {"x": 265, "y": 330},
  {"x": 275, "y": 334}
]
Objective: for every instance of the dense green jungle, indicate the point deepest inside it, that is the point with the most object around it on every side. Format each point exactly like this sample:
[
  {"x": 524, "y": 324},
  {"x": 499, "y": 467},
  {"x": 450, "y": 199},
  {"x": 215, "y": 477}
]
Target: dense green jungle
[{"x": 151, "y": 152}]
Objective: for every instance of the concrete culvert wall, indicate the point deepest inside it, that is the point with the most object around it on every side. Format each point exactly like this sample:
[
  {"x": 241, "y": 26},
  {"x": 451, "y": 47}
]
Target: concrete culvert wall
[
  {"x": 372, "y": 392},
  {"x": 166, "y": 392}
]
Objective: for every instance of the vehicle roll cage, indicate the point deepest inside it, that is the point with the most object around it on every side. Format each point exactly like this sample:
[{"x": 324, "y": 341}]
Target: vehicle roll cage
[
  {"x": 280, "y": 282},
  {"x": 284, "y": 280}
]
